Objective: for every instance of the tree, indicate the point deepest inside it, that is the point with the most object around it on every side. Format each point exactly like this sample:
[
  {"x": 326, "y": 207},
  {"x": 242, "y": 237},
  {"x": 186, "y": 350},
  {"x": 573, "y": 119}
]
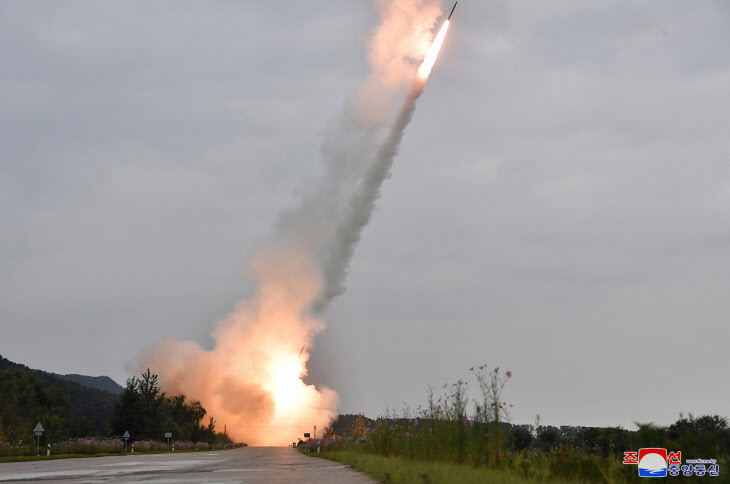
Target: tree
[
  {"x": 152, "y": 400},
  {"x": 146, "y": 412},
  {"x": 547, "y": 437},
  {"x": 26, "y": 400},
  {"x": 126, "y": 413},
  {"x": 359, "y": 428},
  {"x": 139, "y": 409},
  {"x": 329, "y": 433},
  {"x": 521, "y": 436},
  {"x": 705, "y": 435},
  {"x": 183, "y": 418}
]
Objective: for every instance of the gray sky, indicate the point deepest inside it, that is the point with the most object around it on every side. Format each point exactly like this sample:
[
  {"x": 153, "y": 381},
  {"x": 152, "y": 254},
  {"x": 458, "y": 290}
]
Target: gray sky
[{"x": 560, "y": 206}]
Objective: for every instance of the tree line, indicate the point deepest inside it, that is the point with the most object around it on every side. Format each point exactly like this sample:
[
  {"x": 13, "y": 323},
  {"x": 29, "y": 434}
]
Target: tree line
[
  {"x": 142, "y": 409},
  {"x": 146, "y": 412}
]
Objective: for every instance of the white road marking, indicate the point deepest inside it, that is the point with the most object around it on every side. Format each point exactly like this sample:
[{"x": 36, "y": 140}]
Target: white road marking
[
  {"x": 160, "y": 463},
  {"x": 249, "y": 470},
  {"x": 24, "y": 476},
  {"x": 192, "y": 479}
]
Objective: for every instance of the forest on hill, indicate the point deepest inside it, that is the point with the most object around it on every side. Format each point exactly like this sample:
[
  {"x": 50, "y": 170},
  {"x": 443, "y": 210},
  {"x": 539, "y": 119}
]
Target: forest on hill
[{"x": 72, "y": 406}]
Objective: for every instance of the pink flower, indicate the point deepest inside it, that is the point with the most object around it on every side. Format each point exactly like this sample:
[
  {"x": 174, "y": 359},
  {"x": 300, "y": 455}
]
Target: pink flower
[
  {"x": 416, "y": 422},
  {"x": 508, "y": 373},
  {"x": 430, "y": 430},
  {"x": 471, "y": 369},
  {"x": 408, "y": 434},
  {"x": 496, "y": 370},
  {"x": 481, "y": 367}
]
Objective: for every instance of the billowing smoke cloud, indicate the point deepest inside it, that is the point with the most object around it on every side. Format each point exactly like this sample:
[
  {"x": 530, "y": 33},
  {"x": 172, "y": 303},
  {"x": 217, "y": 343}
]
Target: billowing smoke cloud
[{"x": 252, "y": 379}]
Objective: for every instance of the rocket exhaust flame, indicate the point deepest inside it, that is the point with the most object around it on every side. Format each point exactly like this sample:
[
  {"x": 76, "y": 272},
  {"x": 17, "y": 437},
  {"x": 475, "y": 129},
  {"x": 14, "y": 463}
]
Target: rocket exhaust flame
[
  {"x": 254, "y": 372},
  {"x": 433, "y": 52}
]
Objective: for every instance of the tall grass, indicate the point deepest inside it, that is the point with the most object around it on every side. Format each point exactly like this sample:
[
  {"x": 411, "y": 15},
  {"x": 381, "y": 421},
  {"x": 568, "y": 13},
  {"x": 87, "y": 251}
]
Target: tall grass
[{"x": 445, "y": 430}]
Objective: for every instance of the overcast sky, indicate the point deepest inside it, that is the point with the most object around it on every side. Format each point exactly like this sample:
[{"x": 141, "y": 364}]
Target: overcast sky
[{"x": 560, "y": 206}]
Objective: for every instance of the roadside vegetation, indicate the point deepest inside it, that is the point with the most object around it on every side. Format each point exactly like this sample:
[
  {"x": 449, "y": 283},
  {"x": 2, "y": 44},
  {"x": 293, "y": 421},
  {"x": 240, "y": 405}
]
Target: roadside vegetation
[
  {"x": 92, "y": 447},
  {"x": 142, "y": 410},
  {"x": 453, "y": 440}
]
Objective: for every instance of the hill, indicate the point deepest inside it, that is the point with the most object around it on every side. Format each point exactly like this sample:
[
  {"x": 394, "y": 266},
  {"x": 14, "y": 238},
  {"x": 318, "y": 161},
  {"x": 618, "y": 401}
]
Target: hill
[
  {"x": 91, "y": 405},
  {"x": 99, "y": 382}
]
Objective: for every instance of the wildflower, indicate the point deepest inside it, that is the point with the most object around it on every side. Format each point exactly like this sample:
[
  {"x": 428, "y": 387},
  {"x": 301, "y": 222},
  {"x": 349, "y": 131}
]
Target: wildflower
[
  {"x": 408, "y": 434},
  {"x": 508, "y": 373},
  {"x": 471, "y": 369},
  {"x": 430, "y": 430},
  {"x": 496, "y": 370},
  {"x": 416, "y": 422},
  {"x": 481, "y": 367}
]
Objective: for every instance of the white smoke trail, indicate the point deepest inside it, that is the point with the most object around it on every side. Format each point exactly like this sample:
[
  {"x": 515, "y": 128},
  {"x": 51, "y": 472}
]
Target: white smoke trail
[{"x": 362, "y": 203}]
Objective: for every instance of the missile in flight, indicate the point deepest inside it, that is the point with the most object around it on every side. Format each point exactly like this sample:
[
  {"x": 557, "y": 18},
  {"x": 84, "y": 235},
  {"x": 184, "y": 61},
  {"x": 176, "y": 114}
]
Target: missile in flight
[{"x": 452, "y": 11}]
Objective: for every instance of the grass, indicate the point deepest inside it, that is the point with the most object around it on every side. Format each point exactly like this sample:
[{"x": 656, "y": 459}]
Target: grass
[
  {"x": 445, "y": 442},
  {"x": 398, "y": 470}
]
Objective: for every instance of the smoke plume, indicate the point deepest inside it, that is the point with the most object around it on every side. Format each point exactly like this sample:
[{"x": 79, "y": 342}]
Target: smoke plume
[
  {"x": 252, "y": 380},
  {"x": 362, "y": 204}
]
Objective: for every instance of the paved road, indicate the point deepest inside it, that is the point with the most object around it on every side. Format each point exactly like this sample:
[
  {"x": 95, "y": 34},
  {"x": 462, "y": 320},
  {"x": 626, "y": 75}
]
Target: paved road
[{"x": 277, "y": 465}]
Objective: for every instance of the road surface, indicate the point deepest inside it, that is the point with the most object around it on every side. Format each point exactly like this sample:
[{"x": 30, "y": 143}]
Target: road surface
[{"x": 277, "y": 465}]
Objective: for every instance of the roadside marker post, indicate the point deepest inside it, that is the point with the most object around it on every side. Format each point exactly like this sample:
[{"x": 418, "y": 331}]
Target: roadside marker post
[{"x": 38, "y": 431}]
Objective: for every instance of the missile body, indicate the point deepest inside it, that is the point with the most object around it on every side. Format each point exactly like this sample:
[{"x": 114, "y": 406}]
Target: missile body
[{"x": 452, "y": 11}]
